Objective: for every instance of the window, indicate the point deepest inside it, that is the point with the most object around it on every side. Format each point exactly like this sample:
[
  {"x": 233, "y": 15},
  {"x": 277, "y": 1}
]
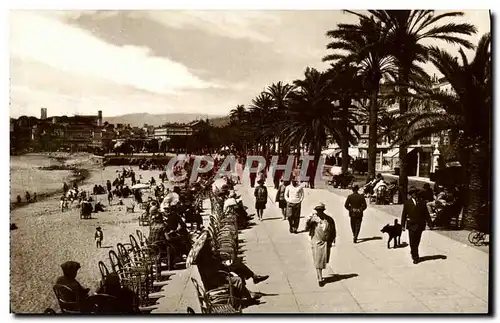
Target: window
[{"x": 364, "y": 130}]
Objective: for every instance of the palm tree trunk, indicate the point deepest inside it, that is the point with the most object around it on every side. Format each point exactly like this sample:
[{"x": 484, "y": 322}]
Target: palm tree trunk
[
  {"x": 344, "y": 140},
  {"x": 372, "y": 136},
  {"x": 403, "y": 147},
  {"x": 477, "y": 192}
]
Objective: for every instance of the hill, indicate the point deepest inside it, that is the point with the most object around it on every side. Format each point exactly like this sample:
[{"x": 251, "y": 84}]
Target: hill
[{"x": 139, "y": 119}]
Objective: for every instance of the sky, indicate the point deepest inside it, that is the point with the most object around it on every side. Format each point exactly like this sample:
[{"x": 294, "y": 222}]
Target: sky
[{"x": 207, "y": 62}]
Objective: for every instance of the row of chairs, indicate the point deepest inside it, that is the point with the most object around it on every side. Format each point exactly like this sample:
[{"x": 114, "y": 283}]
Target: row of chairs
[{"x": 223, "y": 230}]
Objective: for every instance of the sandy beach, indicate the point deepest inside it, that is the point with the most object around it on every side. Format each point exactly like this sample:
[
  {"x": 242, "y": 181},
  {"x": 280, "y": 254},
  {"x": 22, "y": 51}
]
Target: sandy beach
[{"x": 46, "y": 238}]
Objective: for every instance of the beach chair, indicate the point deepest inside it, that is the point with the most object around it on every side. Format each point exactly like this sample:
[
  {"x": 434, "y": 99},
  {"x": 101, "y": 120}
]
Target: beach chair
[{"x": 67, "y": 299}]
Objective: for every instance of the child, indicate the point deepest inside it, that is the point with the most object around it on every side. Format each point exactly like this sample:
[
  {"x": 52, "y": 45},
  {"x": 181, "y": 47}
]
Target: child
[
  {"x": 99, "y": 236},
  {"x": 110, "y": 197}
]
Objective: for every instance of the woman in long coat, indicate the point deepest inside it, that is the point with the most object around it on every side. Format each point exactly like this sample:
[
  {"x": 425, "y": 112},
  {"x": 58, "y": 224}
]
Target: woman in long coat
[{"x": 322, "y": 231}]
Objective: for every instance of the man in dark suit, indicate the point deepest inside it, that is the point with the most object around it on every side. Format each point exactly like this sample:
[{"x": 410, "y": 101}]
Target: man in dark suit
[
  {"x": 415, "y": 216},
  {"x": 356, "y": 204}
]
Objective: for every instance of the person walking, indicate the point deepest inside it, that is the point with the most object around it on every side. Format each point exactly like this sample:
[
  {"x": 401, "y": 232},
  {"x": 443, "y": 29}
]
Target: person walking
[
  {"x": 356, "y": 205},
  {"x": 110, "y": 197},
  {"x": 323, "y": 233},
  {"x": 280, "y": 197},
  {"x": 294, "y": 195},
  {"x": 98, "y": 236},
  {"x": 260, "y": 194},
  {"x": 414, "y": 218}
]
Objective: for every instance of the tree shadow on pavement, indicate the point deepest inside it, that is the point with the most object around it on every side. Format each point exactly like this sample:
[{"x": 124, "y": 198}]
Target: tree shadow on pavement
[
  {"x": 338, "y": 277},
  {"x": 369, "y": 239},
  {"x": 434, "y": 257}
]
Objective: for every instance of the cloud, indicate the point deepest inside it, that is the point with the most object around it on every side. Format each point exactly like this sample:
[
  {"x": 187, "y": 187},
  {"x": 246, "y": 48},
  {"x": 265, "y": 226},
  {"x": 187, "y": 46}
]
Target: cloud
[
  {"x": 231, "y": 24},
  {"x": 47, "y": 40}
]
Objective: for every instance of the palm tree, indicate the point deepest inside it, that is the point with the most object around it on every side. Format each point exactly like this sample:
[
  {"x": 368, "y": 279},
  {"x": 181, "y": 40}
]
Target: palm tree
[
  {"x": 238, "y": 114},
  {"x": 280, "y": 94},
  {"x": 467, "y": 112},
  {"x": 365, "y": 45},
  {"x": 408, "y": 34},
  {"x": 346, "y": 86},
  {"x": 311, "y": 117},
  {"x": 260, "y": 116}
]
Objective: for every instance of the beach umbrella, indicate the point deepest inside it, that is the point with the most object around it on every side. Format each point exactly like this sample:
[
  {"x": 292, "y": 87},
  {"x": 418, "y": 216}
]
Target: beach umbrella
[
  {"x": 195, "y": 250},
  {"x": 139, "y": 186}
]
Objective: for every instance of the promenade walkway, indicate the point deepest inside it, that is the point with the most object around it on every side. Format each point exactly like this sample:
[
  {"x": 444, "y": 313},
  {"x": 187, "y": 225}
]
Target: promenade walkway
[{"x": 363, "y": 277}]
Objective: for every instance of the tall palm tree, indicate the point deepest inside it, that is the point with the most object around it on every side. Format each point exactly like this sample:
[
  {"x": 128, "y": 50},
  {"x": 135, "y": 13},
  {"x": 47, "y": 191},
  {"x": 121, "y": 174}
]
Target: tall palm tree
[
  {"x": 310, "y": 117},
  {"x": 408, "y": 34},
  {"x": 346, "y": 86},
  {"x": 365, "y": 45},
  {"x": 466, "y": 111},
  {"x": 280, "y": 94},
  {"x": 261, "y": 117}
]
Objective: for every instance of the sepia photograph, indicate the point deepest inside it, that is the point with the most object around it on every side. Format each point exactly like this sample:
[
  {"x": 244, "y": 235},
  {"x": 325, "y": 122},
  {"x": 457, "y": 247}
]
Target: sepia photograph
[{"x": 216, "y": 162}]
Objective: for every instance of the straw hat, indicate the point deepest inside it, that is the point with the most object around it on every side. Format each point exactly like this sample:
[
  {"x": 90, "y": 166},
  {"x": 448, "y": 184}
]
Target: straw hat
[{"x": 320, "y": 207}]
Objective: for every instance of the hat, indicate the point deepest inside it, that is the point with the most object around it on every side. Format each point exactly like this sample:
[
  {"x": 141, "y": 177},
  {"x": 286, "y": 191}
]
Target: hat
[
  {"x": 413, "y": 190},
  {"x": 70, "y": 268},
  {"x": 98, "y": 228},
  {"x": 153, "y": 210},
  {"x": 320, "y": 207},
  {"x": 355, "y": 188},
  {"x": 260, "y": 181}
]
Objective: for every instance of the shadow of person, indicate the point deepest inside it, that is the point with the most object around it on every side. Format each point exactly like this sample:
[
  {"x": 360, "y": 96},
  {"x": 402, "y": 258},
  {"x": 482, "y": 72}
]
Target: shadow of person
[
  {"x": 402, "y": 245},
  {"x": 275, "y": 218},
  {"x": 338, "y": 277},
  {"x": 369, "y": 239},
  {"x": 433, "y": 257}
]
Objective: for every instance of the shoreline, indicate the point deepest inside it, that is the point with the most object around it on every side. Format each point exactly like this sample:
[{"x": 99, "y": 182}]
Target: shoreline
[{"x": 85, "y": 174}]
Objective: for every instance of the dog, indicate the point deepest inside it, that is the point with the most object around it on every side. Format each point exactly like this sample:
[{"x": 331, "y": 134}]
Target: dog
[{"x": 394, "y": 232}]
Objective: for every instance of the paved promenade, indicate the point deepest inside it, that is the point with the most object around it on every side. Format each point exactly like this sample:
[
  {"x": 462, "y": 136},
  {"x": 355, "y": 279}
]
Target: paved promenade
[{"x": 364, "y": 277}]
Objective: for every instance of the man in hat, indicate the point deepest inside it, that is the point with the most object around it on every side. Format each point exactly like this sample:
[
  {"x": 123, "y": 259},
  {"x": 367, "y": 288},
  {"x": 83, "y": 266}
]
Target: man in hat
[
  {"x": 294, "y": 195},
  {"x": 172, "y": 199},
  {"x": 70, "y": 269},
  {"x": 356, "y": 205},
  {"x": 280, "y": 197},
  {"x": 98, "y": 236},
  {"x": 260, "y": 194},
  {"x": 414, "y": 218},
  {"x": 323, "y": 233}
]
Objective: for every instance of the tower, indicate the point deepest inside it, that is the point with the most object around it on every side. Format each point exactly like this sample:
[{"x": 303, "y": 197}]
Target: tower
[
  {"x": 99, "y": 117},
  {"x": 43, "y": 113}
]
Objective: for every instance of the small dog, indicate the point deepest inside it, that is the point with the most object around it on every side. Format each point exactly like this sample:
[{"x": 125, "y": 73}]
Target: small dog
[{"x": 394, "y": 232}]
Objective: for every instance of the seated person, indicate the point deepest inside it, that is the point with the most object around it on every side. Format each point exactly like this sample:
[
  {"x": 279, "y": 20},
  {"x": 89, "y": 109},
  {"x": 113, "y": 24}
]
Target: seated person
[
  {"x": 231, "y": 201},
  {"x": 213, "y": 278},
  {"x": 98, "y": 207},
  {"x": 439, "y": 203},
  {"x": 177, "y": 233},
  {"x": 428, "y": 193},
  {"x": 70, "y": 269},
  {"x": 126, "y": 300},
  {"x": 380, "y": 183},
  {"x": 171, "y": 199}
]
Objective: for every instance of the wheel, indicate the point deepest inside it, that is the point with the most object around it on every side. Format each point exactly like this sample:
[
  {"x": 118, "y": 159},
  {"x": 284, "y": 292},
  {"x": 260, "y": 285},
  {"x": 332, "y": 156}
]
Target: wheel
[{"x": 474, "y": 237}]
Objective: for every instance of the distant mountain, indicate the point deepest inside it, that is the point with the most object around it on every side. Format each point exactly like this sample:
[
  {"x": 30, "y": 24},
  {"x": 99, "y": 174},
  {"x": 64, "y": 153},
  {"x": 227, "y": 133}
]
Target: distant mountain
[{"x": 139, "y": 119}]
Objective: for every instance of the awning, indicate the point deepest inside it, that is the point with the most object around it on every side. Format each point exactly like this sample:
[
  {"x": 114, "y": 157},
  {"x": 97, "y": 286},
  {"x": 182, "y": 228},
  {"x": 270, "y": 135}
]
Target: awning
[
  {"x": 353, "y": 152},
  {"x": 395, "y": 152}
]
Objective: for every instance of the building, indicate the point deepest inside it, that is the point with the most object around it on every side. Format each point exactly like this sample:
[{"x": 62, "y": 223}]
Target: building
[
  {"x": 168, "y": 131},
  {"x": 422, "y": 155},
  {"x": 78, "y": 132}
]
